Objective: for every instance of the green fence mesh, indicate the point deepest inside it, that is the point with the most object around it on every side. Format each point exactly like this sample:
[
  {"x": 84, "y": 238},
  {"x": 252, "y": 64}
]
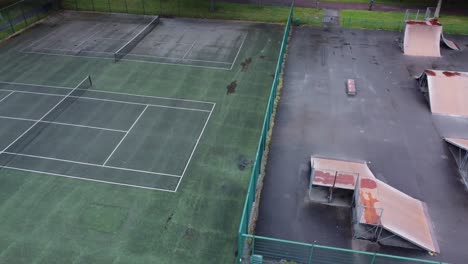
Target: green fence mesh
[{"x": 21, "y": 14}]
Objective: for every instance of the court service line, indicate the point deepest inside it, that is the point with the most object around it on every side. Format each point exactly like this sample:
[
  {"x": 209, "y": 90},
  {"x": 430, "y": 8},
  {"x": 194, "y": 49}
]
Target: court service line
[
  {"x": 48, "y": 112},
  {"x": 195, "y": 147},
  {"x": 64, "y": 124},
  {"x": 8, "y": 95},
  {"x": 101, "y": 91},
  {"x": 85, "y": 179},
  {"x": 238, "y": 51},
  {"x": 108, "y": 100},
  {"x": 123, "y": 59},
  {"x": 177, "y": 58},
  {"x": 190, "y": 49},
  {"x": 126, "y": 134},
  {"x": 90, "y": 164}
]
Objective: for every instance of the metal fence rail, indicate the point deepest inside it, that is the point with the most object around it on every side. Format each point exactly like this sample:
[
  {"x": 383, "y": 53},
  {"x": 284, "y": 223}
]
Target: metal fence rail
[
  {"x": 271, "y": 250},
  {"x": 21, "y": 14},
  {"x": 262, "y": 144}
]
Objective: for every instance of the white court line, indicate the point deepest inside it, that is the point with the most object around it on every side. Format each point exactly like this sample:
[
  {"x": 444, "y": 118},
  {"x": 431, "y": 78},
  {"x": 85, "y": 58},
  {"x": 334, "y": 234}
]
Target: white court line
[
  {"x": 85, "y": 179},
  {"x": 190, "y": 49},
  {"x": 101, "y": 91},
  {"x": 123, "y": 59},
  {"x": 109, "y": 100},
  {"x": 126, "y": 134},
  {"x": 240, "y": 48},
  {"x": 91, "y": 164},
  {"x": 8, "y": 95},
  {"x": 48, "y": 112},
  {"x": 78, "y": 51},
  {"x": 64, "y": 124},
  {"x": 175, "y": 58},
  {"x": 194, "y": 148}
]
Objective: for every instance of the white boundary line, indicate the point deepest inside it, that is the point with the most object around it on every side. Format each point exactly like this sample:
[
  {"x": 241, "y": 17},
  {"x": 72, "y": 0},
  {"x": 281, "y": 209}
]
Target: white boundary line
[
  {"x": 90, "y": 164},
  {"x": 86, "y": 179},
  {"x": 64, "y": 124},
  {"x": 238, "y": 51},
  {"x": 108, "y": 100},
  {"x": 123, "y": 59},
  {"x": 195, "y": 147},
  {"x": 125, "y": 136},
  {"x": 48, "y": 112},
  {"x": 101, "y": 91},
  {"x": 8, "y": 95}
]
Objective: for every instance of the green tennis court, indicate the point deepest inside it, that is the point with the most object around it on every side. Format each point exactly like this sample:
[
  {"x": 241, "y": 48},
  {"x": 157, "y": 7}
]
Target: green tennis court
[{"x": 145, "y": 161}]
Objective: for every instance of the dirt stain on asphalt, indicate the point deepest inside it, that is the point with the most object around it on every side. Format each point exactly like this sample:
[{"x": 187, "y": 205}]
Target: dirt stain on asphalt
[
  {"x": 231, "y": 88},
  {"x": 245, "y": 64}
]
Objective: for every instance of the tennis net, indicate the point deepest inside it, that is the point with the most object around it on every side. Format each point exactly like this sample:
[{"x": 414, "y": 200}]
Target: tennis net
[
  {"x": 131, "y": 44},
  {"x": 35, "y": 130}
]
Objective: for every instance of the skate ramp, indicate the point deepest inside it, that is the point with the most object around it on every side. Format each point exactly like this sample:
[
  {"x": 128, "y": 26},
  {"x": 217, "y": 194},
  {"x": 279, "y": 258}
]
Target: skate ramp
[
  {"x": 338, "y": 173},
  {"x": 396, "y": 212},
  {"x": 458, "y": 142},
  {"x": 377, "y": 203},
  {"x": 422, "y": 38},
  {"x": 450, "y": 44},
  {"x": 447, "y": 91}
]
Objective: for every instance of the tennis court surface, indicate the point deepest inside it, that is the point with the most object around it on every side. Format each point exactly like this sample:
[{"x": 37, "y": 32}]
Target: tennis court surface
[
  {"x": 139, "y": 141},
  {"x": 146, "y": 161},
  {"x": 141, "y": 38}
]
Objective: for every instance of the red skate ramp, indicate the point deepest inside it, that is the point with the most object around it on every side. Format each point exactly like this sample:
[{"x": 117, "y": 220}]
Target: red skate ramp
[
  {"x": 447, "y": 91},
  {"x": 422, "y": 38},
  {"x": 398, "y": 213},
  {"x": 376, "y": 203},
  {"x": 458, "y": 142},
  {"x": 338, "y": 173}
]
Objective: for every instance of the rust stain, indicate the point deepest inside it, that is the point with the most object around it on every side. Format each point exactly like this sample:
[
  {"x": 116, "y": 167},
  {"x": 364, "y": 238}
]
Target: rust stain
[
  {"x": 450, "y": 74},
  {"x": 345, "y": 179},
  {"x": 431, "y": 22},
  {"x": 370, "y": 213},
  {"x": 434, "y": 22},
  {"x": 324, "y": 177},
  {"x": 429, "y": 72},
  {"x": 368, "y": 184},
  {"x": 328, "y": 178}
]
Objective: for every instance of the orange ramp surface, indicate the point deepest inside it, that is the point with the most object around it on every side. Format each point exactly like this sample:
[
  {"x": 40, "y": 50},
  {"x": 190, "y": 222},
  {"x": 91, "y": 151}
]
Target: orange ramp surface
[
  {"x": 447, "y": 92},
  {"x": 422, "y": 38},
  {"x": 459, "y": 142},
  {"x": 383, "y": 205},
  {"x": 396, "y": 212}
]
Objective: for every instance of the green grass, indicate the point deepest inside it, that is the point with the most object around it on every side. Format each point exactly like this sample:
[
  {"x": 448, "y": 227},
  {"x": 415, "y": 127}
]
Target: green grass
[
  {"x": 394, "y": 21},
  {"x": 197, "y": 9},
  {"x": 405, "y": 3},
  {"x": 47, "y": 219}
]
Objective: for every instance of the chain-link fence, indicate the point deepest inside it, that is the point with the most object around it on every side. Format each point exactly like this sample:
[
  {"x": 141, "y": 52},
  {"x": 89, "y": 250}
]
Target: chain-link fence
[
  {"x": 21, "y": 14},
  {"x": 184, "y": 8}
]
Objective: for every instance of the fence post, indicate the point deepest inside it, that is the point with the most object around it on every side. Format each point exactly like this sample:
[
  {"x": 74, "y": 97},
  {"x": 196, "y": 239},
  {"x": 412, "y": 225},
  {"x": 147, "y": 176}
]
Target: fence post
[
  {"x": 126, "y": 6},
  {"x": 109, "y": 5},
  {"x": 143, "y": 5},
  {"x": 22, "y": 12},
  {"x": 76, "y": 5},
  {"x": 9, "y": 21},
  {"x": 311, "y": 254},
  {"x": 373, "y": 258},
  {"x": 92, "y": 2}
]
